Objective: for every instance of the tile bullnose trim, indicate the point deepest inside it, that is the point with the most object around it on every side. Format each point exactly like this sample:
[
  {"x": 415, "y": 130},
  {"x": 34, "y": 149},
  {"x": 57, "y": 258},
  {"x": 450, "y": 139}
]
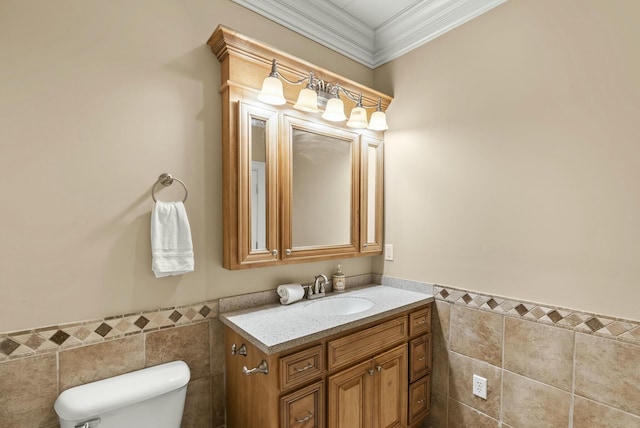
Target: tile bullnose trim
[{"x": 583, "y": 322}]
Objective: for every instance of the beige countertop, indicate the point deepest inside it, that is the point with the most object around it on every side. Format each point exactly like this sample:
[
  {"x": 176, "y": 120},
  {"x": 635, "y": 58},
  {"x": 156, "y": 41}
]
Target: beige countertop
[{"x": 275, "y": 328}]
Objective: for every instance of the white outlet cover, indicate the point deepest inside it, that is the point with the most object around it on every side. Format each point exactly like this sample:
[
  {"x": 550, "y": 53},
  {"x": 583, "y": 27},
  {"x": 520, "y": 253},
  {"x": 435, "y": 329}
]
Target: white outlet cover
[{"x": 480, "y": 386}]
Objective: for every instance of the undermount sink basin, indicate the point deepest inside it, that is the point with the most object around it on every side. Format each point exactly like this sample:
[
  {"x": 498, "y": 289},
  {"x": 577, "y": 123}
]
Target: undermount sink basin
[{"x": 339, "y": 306}]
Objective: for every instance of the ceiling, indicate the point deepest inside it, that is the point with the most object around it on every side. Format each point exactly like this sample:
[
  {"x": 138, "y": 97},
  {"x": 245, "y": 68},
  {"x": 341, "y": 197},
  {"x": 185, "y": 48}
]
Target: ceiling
[{"x": 371, "y": 32}]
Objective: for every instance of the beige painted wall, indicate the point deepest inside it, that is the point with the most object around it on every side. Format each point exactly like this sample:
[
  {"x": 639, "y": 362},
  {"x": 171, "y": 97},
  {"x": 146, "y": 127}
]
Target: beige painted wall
[
  {"x": 97, "y": 99},
  {"x": 513, "y": 158}
]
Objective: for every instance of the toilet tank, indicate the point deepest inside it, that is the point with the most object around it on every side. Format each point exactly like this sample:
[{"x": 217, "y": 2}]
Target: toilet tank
[{"x": 151, "y": 397}]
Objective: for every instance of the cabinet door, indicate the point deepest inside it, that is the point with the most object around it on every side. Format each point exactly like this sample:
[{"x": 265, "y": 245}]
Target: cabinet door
[
  {"x": 350, "y": 397},
  {"x": 303, "y": 408},
  {"x": 257, "y": 204},
  {"x": 390, "y": 388},
  {"x": 420, "y": 357},
  {"x": 371, "y": 196},
  {"x": 320, "y": 190}
]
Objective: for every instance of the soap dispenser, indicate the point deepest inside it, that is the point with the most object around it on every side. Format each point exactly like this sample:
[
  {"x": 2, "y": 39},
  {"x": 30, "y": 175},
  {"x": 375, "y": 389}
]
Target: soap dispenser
[{"x": 338, "y": 280}]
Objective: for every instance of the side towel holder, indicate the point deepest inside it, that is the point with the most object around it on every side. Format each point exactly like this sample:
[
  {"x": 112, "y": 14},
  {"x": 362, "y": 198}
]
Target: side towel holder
[{"x": 167, "y": 179}]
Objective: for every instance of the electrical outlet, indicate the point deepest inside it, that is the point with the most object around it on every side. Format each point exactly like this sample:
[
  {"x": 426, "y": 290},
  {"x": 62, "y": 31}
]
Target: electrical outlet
[
  {"x": 388, "y": 252},
  {"x": 479, "y": 386}
]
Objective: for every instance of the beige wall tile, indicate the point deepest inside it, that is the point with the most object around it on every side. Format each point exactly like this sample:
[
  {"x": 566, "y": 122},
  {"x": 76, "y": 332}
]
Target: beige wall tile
[
  {"x": 189, "y": 344},
  {"x": 440, "y": 335},
  {"x": 539, "y": 351},
  {"x": 217, "y": 342},
  {"x": 461, "y": 416},
  {"x": 530, "y": 404},
  {"x": 461, "y": 373},
  {"x": 28, "y": 389},
  {"x": 438, "y": 415},
  {"x": 218, "y": 400},
  {"x": 100, "y": 361},
  {"x": 587, "y": 413},
  {"x": 476, "y": 334},
  {"x": 607, "y": 371},
  {"x": 197, "y": 406}
]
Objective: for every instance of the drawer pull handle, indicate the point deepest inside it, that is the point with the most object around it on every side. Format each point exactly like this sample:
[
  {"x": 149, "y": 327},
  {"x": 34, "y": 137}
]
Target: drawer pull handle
[
  {"x": 307, "y": 367},
  {"x": 306, "y": 418},
  {"x": 423, "y": 321},
  {"x": 419, "y": 401},
  {"x": 422, "y": 359}
]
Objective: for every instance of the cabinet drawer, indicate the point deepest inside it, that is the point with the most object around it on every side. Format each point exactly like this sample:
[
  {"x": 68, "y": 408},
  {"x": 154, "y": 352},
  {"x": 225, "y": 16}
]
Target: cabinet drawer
[
  {"x": 419, "y": 399},
  {"x": 420, "y": 321},
  {"x": 301, "y": 367},
  {"x": 303, "y": 408},
  {"x": 419, "y": 357},
  {"x": 366, "y": 343}
]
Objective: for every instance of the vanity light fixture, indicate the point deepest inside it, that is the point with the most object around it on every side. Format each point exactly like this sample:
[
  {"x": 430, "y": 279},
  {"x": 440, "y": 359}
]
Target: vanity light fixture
[{"x": 317, "y": 91}]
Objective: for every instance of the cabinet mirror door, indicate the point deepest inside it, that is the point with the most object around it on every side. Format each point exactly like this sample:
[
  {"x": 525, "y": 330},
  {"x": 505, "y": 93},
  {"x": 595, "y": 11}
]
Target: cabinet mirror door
[
  {"x": 320, "y": 175},
  {"x": 372, "y": 195},
  {"x": 257, "y": 176}
]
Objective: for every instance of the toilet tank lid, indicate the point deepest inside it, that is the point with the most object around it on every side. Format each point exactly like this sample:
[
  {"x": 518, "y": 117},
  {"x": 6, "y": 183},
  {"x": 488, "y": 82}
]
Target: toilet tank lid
[{"x": 93, "y": 399}]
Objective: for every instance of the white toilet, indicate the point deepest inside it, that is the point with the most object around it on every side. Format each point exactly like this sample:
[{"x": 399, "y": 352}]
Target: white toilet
[{"x": 151, "y": 397}]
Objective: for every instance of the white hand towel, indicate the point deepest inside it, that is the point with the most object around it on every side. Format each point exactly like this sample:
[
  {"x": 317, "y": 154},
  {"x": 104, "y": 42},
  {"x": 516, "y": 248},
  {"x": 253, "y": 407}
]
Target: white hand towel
[
  {"x": 171, "y": 246},
  {"x": 290, "y": 293}
]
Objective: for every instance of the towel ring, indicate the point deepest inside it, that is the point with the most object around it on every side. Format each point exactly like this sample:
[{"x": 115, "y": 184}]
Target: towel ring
[{"x": 167, "y": 179}]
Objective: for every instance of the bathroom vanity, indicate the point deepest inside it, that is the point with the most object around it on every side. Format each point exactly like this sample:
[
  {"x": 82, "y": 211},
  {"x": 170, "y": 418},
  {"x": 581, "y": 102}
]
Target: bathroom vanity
[{"x": 307, "y": 365}]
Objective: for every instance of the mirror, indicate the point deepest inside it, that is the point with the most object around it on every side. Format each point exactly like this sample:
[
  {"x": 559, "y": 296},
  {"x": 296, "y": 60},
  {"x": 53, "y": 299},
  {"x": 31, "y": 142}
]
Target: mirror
[
  {"x": 257, "y": 184},
  {"x": 371, "y": 195},
  {"x": 321, "y": 189}
]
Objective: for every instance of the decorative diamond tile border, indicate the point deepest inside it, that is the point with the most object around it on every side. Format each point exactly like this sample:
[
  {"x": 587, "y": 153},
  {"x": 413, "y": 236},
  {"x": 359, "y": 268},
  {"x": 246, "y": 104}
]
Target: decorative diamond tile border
[
  {"x": 55, "y": 338},
  {"x": 600, "y": 325}
]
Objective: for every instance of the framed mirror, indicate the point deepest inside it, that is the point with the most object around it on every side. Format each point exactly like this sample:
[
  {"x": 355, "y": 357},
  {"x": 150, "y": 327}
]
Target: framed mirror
[
  {"x": 320, "y": 175},
  {"x": 257, "y": 183}
]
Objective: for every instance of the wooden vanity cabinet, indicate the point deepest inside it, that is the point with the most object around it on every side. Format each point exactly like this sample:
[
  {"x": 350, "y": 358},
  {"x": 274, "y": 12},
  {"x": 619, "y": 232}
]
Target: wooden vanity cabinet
[
  {"x": 420, "y": 364},
  {"x": 373, "y": 376}
]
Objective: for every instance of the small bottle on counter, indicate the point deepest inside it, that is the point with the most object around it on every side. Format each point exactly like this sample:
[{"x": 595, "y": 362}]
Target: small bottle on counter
[{"x": 338, "y": 280}]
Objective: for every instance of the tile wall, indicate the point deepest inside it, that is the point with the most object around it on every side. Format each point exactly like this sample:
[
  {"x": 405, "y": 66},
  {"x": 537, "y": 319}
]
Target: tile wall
[
  {"x": 545, "y": 367},
  {"x": 36, "y": 365}
]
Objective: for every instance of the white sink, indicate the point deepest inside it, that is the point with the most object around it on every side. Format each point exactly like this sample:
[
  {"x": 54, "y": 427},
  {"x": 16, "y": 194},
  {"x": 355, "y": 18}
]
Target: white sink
[{"x": 339, "y": 306}]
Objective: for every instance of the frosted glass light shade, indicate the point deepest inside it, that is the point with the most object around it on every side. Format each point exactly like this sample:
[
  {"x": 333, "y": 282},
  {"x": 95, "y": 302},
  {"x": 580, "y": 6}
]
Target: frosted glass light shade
[
  {"x": 334, "y": 111},
  {"x": 271, "y": 92},
  {"x": 358, "y": 118},
  {"x": 378, "y": 121},
  {"x": 307, "y": 101}
]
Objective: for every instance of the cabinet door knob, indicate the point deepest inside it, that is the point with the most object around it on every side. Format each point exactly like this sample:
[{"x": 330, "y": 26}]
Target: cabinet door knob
[
  {"x": 370, "y": 372},
  {"x": 275, "y": 253},
  {"x": 365, "y": 245},
  {"x": 306, "y": 418},
  {"x": 379, "y": 368},
  {"x": 288, "y": 252}
]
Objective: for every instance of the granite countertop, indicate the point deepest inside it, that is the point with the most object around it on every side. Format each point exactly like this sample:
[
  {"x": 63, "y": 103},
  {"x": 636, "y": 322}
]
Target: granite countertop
[{"x": 275, "y": 328}]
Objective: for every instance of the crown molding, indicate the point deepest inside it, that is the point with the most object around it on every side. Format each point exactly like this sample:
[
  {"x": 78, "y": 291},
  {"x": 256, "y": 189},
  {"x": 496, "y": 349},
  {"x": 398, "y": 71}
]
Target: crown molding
[{"x": 330, "y": 26}]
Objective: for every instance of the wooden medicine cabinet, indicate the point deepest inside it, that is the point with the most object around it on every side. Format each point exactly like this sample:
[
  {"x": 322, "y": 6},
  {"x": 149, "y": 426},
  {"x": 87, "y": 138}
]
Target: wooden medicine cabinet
[{"x": 296, "y": 188}]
